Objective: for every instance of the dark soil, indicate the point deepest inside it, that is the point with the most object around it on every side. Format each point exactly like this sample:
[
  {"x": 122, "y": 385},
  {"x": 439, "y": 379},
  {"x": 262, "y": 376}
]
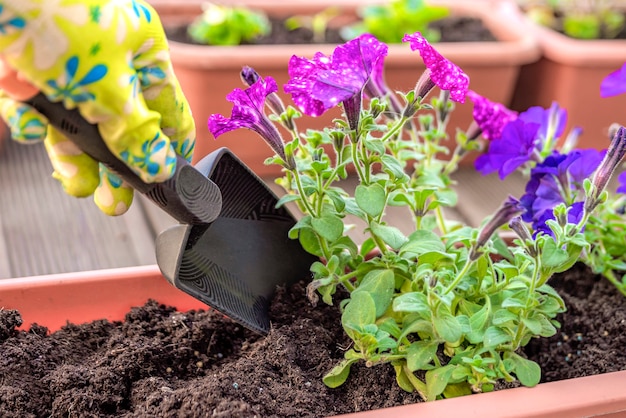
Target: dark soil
[
  {"x": 160, "y": 362},
  {"x": 453, "y": 29}
]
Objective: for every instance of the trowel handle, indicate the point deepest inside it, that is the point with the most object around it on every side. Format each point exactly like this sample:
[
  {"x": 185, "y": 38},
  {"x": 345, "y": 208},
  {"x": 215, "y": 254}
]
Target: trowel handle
[{"x": 188, "y": 196}]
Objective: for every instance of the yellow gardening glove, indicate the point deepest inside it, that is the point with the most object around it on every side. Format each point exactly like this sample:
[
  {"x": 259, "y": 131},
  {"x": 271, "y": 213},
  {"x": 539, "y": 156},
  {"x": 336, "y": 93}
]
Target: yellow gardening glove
[{"x": 109, "y": 59}]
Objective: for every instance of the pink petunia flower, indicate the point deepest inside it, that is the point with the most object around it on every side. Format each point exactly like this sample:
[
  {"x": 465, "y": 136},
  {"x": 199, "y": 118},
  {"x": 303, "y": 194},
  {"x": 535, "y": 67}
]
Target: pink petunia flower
[
  {"x": 444, "y": 73},
  {"x": 491, "y": 117}
]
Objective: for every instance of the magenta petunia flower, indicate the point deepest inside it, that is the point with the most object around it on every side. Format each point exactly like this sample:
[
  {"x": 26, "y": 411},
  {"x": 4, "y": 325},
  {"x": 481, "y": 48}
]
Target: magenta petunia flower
[
  {"x": 248, "y": 113},
  {"x": 491, "y": 117},
  {"x": 303, "y": 73},
  {"x": 321, "y": 83},
  {"x": 614, "y": 83},
  {"x": 444, "y": 73}
]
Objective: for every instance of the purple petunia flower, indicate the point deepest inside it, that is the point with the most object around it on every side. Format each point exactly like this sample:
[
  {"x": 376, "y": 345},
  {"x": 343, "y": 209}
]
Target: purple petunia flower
[
  {"x": 445, "y": 74},
  {"x": 321, "y": 83},
  {"x": 574, "y": 215},
  {"x": 621, "y": 179},
  {"x": 614, "y": 83},
  {"x": 514, "y": 148},
  {"x": 551, "y": 121},
  {"x": 248, "y": 113},
  {"x": 491, "y": 117},
  {"x": 557, "y": 180}
]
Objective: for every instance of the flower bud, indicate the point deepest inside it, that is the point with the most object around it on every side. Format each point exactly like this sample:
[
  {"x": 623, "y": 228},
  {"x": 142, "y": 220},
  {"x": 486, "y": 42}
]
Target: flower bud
[
  {"x": 602, "y": 176},
  {"x": 249, "y": 76},
  {"x": 520, "y": 228},
  {"x": 510, "y": 208}
]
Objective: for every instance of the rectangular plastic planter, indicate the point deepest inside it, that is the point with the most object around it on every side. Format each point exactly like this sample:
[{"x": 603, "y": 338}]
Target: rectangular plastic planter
[{"x": 109, "y": 294}]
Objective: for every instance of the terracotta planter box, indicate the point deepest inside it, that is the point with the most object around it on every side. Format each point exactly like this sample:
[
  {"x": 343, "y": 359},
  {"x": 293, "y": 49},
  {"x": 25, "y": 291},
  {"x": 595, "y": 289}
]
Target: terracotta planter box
[
  {"x": 87, "y": 296},
  {"x": 208, "y": 73},
  {"x": 570, "y": 72}
]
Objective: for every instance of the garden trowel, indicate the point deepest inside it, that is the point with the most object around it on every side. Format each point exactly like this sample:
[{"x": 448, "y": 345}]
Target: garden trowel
[{"x": 231, "y": 248}]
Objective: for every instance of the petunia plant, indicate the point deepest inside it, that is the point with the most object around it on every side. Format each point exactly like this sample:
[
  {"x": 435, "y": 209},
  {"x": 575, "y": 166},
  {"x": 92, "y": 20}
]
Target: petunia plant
[{"x": 449, "y": 305}]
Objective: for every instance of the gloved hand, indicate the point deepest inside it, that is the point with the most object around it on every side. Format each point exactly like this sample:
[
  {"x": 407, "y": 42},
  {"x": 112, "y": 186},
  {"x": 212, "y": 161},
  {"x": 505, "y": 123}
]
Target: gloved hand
[{"x": 110, "y": 59}]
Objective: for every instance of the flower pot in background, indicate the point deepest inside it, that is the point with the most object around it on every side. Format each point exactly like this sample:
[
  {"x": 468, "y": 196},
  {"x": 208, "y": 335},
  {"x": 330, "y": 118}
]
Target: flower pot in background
[
  {"x": 208, "y": 73},
  {"x": 570, "y": 72},
  {"x": 82, "y": 297}
]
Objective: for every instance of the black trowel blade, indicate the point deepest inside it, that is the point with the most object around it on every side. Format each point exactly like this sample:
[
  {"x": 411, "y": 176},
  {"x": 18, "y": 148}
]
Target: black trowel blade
[{"x": 235, "y": 263}]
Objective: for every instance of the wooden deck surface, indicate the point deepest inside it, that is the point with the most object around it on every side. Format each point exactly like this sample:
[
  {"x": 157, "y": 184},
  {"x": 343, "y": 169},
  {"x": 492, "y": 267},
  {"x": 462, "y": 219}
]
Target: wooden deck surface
[{"x": 44, "y": 231}]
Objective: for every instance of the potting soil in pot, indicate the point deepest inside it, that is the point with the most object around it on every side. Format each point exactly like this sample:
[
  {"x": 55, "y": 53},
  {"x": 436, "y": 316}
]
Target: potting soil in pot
[
  {"x": 452, "y": 29},
  {"x": 160, "y": 362}
]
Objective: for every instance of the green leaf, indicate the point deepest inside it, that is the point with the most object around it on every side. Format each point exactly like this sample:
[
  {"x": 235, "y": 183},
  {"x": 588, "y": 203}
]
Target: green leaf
[
  {"x": 527, "y": 371},
  {"x": 478, "y": 322},
  {"x": 420, "y": 326},
  {"x": 454, "y": 390},
  {"x": 412, "y": 302},
  {"x": 437, "y": 380},
  {"x": 402, "y": 379},
  {"x": 420, "y": 353},
  {"x": 338, "y": 375},
  {"x": 533, "y": 325},
  {"x": 392, "y": 166},
  {"x": 446, "y": 324},
  {"x": 288, "y": 198},
  {"x": 337, "y": 198},
  {"x": 375, "y": 145},
  {"x": 495, "y": 336},
  {"x": 447, "y": 197},
  {"x": 430, "y": 179},
  {"x": 310, "y": 242},
  {"x": 421, "y": 242},
  {"x": 360, "y": 311},
  {"x": 503, "y": 316},
  {"x": 551, "y": 255},
  {"x": 328, "y": 226},
  {"x": 390, "y": 326},
  {"x": 434, "y": 256},
  {"x": 391, "y": 235},
  {"x": 371, "y": 199},
  {"x": 380, "y": 285},
  {"x": 547, "y": 328},
  {"x": 516, "y": 300}
]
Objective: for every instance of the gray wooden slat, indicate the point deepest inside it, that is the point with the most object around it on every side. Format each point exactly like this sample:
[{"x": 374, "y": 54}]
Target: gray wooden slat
[
  {"x": 46, "y": 231},
  {"x": 480, "y": 196}
]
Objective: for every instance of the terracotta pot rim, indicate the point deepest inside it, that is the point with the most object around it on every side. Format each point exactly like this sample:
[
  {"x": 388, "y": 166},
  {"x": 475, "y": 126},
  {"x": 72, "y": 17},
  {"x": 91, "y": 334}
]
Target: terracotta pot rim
[
  {"x": 52, "y": 300},
  {"x": 585, "y": 396},
  {"x": 514, "y": 48}
]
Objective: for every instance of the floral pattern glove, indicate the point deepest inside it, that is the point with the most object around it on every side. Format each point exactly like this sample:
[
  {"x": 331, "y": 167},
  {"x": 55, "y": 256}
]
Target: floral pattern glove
[{"x": 109, "y": 59}]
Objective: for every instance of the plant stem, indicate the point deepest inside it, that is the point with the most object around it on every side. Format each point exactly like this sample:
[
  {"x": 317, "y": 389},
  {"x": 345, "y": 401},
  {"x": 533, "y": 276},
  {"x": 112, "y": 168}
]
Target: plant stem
[
  {"x": 304, "y": 199},
  {"x": 459, "y": 276},
  {"x": 524, "y": 311},
  {"x": 441, "y": 221},
  {"x": 453, "y": 164},
  {"x": 398, "y": 124},
  {"x": 355, "y": 161}
]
